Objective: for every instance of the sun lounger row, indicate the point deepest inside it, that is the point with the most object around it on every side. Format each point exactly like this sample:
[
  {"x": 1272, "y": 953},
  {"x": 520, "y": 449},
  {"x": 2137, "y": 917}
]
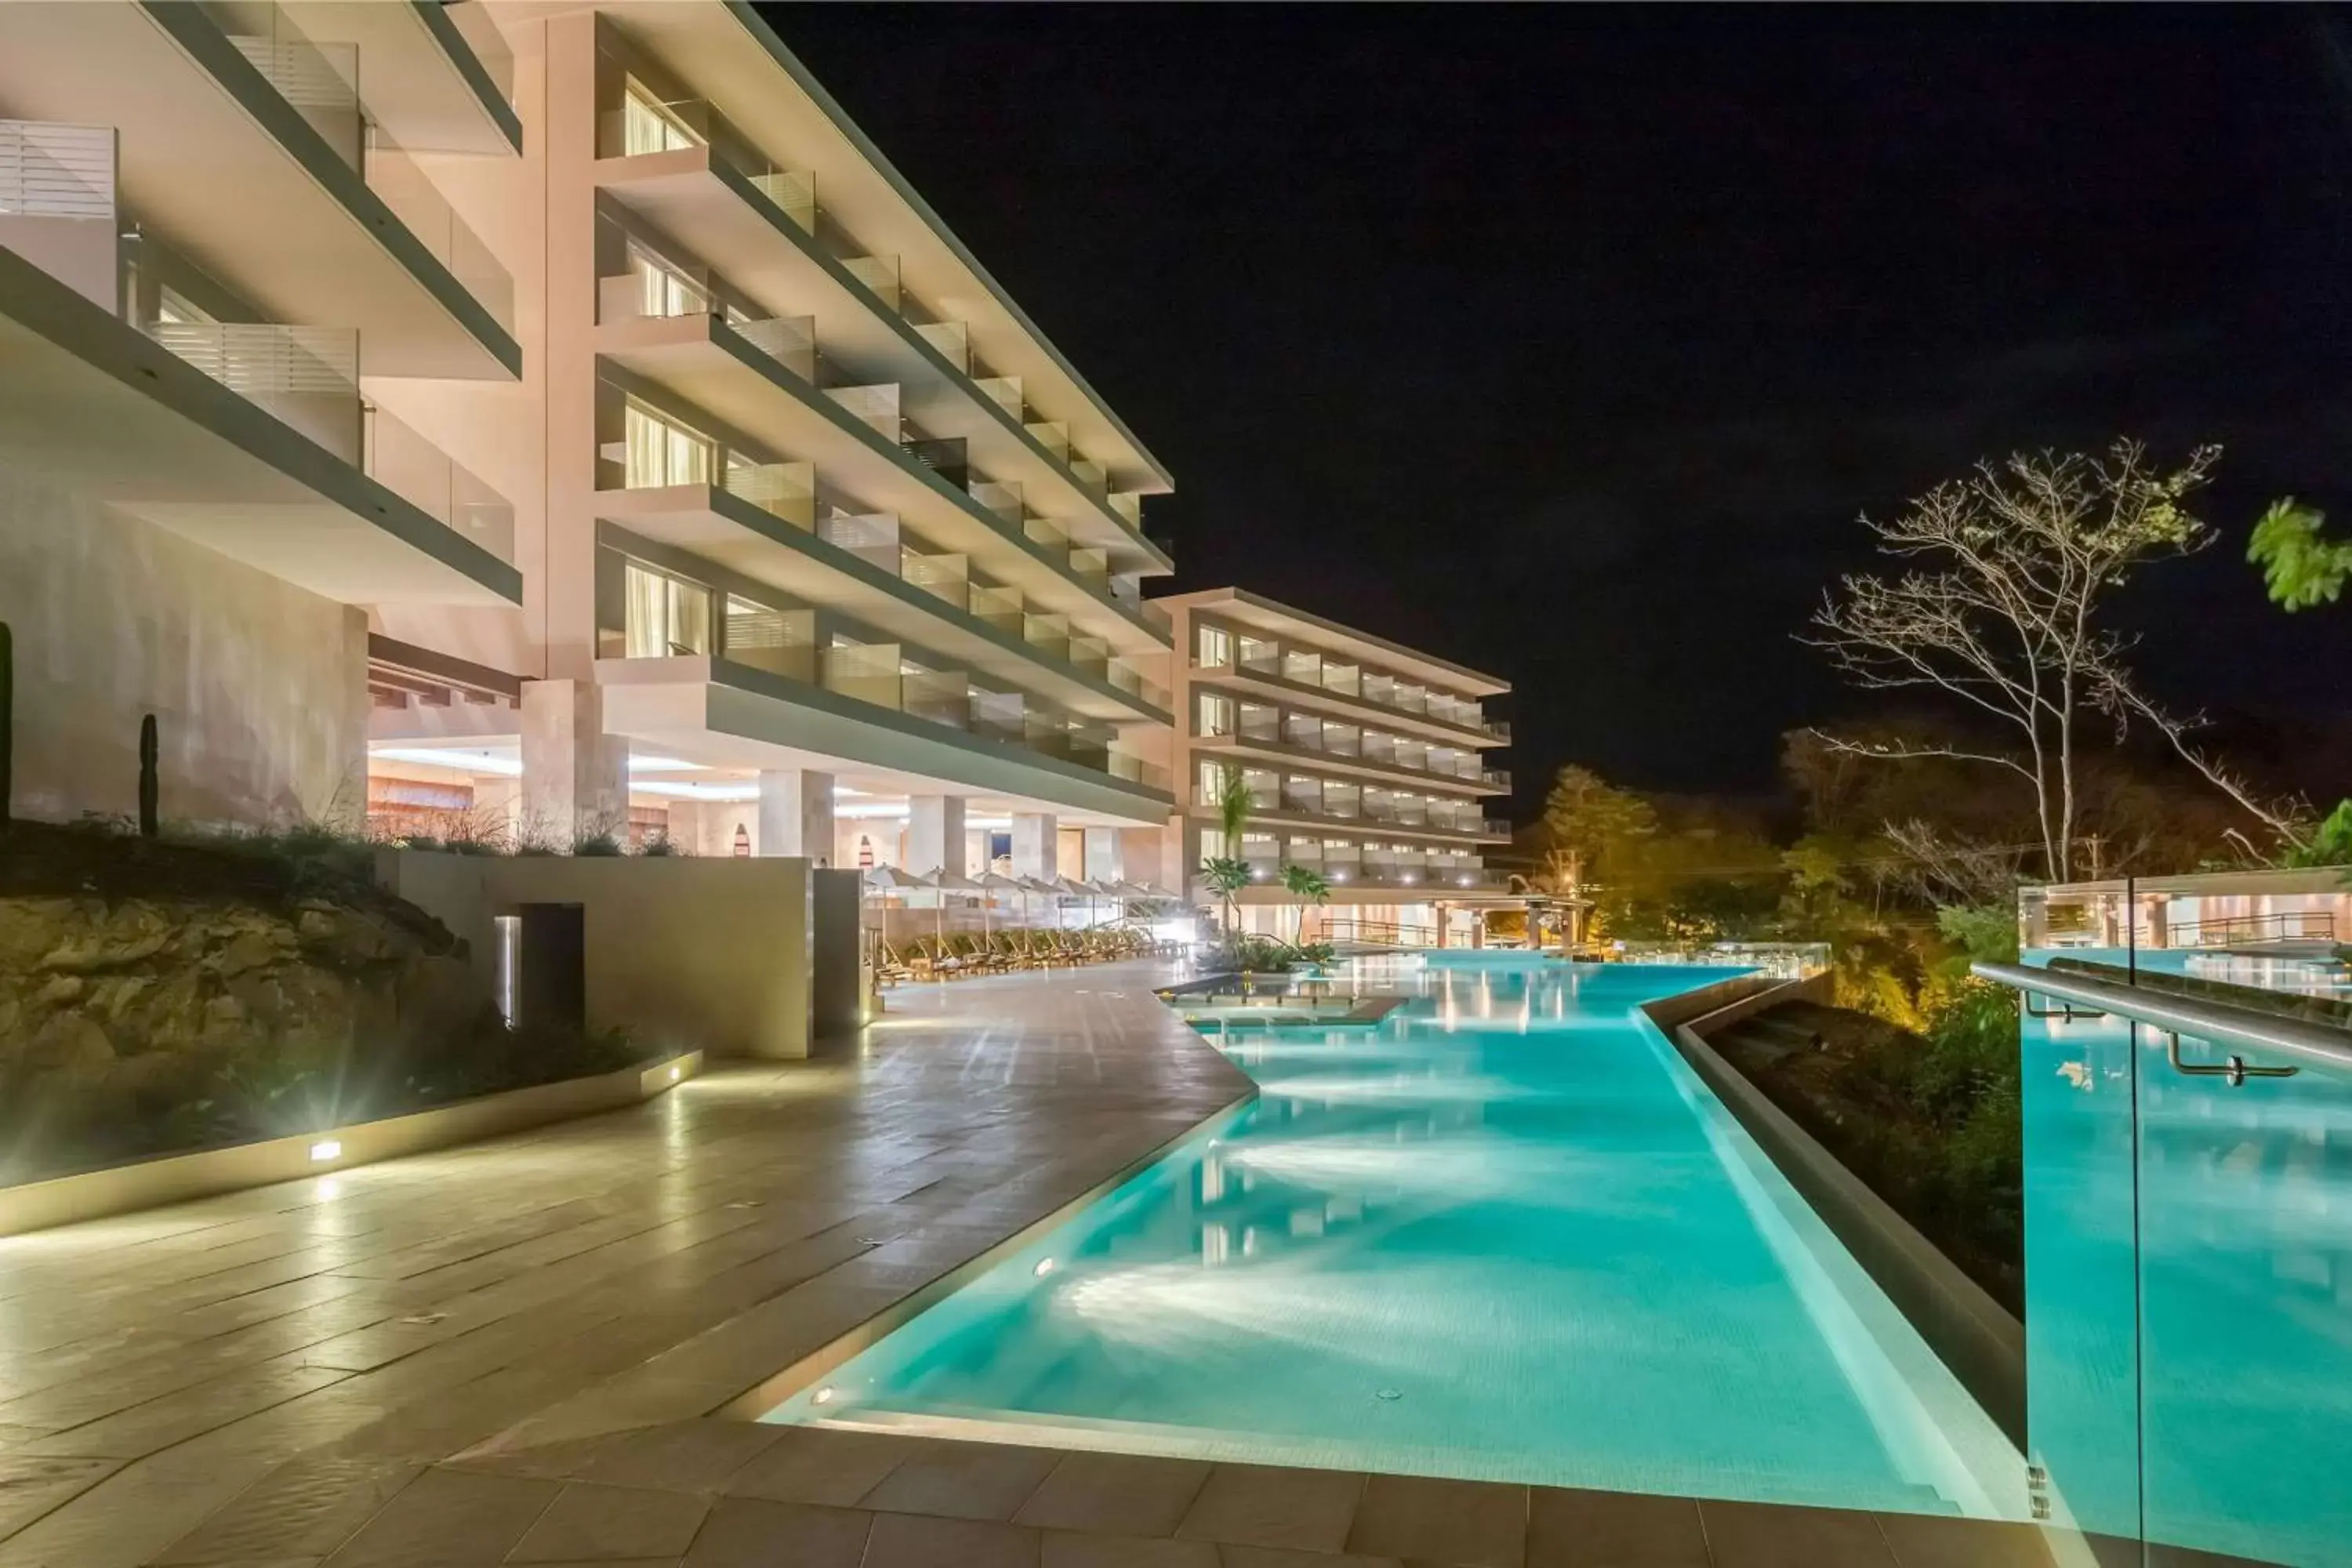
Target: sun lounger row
[{"x": 967, "y": 953}]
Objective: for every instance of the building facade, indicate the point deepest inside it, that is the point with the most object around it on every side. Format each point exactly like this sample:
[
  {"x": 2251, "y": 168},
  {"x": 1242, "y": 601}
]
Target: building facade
[
  {"x": 548, "y": 421},
  {"x": 1366, "y": 761}
]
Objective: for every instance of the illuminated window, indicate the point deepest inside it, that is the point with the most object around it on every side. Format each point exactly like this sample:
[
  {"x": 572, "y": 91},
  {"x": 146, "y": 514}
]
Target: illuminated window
[
  {"x": 1217, "y": 714},
  {"x": 668, "y": 617},
  {"x": 649, "y": 125},
  {"x": 661, "y": 451},
  {"x": 1212, "y": 844},
  {"x": 663, "y": 290},
  {"x": 1216, "y": 646}
]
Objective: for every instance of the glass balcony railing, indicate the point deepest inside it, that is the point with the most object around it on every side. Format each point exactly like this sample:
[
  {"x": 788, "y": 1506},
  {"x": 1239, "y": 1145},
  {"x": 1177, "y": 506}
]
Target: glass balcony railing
[
  {"x": 320, "y": 82},
  {"x": 308, "y": 379},
  {"x": 2187, "y": 1116},
  {"x": 641, "y": 128}
]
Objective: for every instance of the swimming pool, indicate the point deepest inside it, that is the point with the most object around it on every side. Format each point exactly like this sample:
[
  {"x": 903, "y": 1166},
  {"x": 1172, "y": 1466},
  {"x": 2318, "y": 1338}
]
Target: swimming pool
[{"x": 1506, "y": 1234}]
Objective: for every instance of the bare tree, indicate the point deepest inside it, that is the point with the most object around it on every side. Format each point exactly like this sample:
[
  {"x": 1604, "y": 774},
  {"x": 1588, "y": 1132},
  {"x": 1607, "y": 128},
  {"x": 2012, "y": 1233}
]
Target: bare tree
[{"x": 2002, "y": 610}]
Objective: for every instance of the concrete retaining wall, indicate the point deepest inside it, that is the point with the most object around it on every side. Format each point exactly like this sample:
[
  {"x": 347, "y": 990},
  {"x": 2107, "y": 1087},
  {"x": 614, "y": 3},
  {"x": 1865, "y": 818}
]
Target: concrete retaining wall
[{"x": 177, "y": 1178}]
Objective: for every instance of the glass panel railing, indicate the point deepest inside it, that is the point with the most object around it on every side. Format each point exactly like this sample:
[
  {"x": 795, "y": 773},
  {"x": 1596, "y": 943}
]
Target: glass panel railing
[
  {"x": 872, "y": 537},
  {"x": 1000, "y": 715},
  {"x": 946, "y": 578},
  {"x": 880, "y": 273},
  {"x": 943, "y": 697},
  {"x": 2188, "y": 1220},
  {"x": 952, "y": 338},
  {"x": 642, "y": 128},
  {"x": 1052, "y": 435},
  {"x": 320, "y": 80},
  {"x": 308, "y": 377},
  {"x": 780, "y": 642},
  {"x": 1004, "y": 391},
  {"x": 403, "y": 186},
  {"x": 791, "y": 341},
  {"x": 419, "y": 472},
  {"x": 877, "y": 405},
  {"x": 471, "y": 18},
  {"x": 787, "y": 491},
  {"x": 999, "y": 607},
  {"x": 867, "y": 672}
]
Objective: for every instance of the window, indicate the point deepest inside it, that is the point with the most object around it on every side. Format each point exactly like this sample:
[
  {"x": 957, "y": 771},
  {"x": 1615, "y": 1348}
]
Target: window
[
  {"x": 649, "y": 125},
  {"x": 1216, "y": 646},
  {"x": 1217, "y": 714},
  {"x": 1212, "y": 844},
  {"x": 662, "y": 289},
  {"x": 1212, "y": 782},
  {"x": 667, "y": 616},
  {"x": 660, "y": 451}
]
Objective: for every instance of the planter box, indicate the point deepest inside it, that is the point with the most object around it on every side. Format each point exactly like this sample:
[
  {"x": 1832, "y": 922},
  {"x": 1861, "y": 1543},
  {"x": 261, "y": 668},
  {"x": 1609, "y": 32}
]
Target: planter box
[{"x": 177, "y": 1178}]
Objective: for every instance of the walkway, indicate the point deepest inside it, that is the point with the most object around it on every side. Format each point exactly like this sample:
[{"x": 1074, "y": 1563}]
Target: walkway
[
  {"x": 312, "y": 1346},
  {"x": 510, "y": 1353}
]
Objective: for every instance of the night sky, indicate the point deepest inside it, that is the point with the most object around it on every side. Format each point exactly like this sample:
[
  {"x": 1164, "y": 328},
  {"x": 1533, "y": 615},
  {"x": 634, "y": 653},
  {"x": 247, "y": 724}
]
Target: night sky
[{"x": 1569, "y": 342}]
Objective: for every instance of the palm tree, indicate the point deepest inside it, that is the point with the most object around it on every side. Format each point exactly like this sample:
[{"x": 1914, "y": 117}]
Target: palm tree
[
  {"x": 1306, "y": 885},
  {"x": 1229, "y": 873}
]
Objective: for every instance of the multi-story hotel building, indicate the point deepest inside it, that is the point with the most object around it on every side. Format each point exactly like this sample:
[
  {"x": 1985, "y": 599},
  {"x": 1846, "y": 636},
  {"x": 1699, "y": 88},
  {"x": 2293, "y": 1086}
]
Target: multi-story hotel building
[
  {"x": 1366, "y": 761},
  {"x": 548, "y": 417}
]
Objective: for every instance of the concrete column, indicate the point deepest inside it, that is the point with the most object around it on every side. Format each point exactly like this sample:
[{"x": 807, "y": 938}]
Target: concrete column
[
  {"x": 934, "y": 834},
  {"x": 575, "y": 778},
  {"x": 1102, "y": 854},
  {"x": 497, "y": 804},
  {"x": 1034, "y": 844},
  {"x": 796, "y": 813}
]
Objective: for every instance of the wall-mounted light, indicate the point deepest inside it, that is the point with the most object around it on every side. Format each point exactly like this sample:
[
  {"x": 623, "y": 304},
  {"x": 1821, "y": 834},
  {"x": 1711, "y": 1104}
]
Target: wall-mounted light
[{"x": 326, "y": 1149}]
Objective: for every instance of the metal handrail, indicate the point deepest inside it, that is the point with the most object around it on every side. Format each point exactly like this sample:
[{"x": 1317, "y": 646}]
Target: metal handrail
[{"x": 2218, "y": 1022}]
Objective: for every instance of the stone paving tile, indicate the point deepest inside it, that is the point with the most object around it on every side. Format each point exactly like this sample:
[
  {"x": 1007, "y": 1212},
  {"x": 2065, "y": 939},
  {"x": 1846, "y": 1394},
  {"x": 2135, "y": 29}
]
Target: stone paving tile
[
  {"x": 1919, "y": 1541},
  {"x": 689, "y": 1456},
  {"x": 448, "y": 1519},
  {"x": 809, "y": 1464},
  {"x": 962, "y": 1480},
  {"x": 1568, "y": 1527},
  {"x": 1283, "y": 1557},
  {"x": 1070, "y": 1548},
  {"x": 314, "y": 1505},
  {"x": 1473, "y": 1524},
  {"x": 1261, "y": 1505},
  {"x": 1761, "y": 1535},
  {"x": 908, "y": 1541},
  {"x": 745, "y": 1533},
  {"x": 587, "y": 1520},
  {"x": 1115, "y": 1494}
]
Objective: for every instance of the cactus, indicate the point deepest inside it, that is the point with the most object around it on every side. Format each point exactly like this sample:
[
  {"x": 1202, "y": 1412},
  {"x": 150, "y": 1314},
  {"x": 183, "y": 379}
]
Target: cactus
[
  {"x": 7, "y": 722},
  {"x": 150, "y": 790}
]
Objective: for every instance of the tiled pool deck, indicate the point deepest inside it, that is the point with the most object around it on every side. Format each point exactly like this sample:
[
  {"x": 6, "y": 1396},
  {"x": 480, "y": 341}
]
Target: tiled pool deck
[{"x": 507, "y": 1353}]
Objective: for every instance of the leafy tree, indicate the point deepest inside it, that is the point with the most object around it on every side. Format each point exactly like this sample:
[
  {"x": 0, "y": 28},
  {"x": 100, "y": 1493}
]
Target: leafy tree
[
  {"x": 1591, "y": 827},
  {"x": 1999, "y": 609},
  {"x": 2301, "y": 568},
  {"x": 1309, "y": 887},
  {"x": 1228, "y": 874}
]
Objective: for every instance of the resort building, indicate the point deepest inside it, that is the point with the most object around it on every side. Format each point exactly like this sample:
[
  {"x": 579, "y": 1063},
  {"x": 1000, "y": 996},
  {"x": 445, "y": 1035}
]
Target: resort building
[
  {"x": 229, "y": 280},
  {"x": 546, "y": 420},
  {"x": 1366, "y": 761}
]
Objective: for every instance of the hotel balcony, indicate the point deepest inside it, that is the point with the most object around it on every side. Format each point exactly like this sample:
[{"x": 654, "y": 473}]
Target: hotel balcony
[
  {"x": 249, "y": 438},
  {"x": 1336, "y": 747},
  {"x": 757, "y": 376},
  {"x": 1284, "y": 805},
  {"x": 784, "y": 705},
  {"x": 765, "y": 522},
  {"x": 679, "y": 167},
  {"x": 1335, "y": 686},
  {"x": 241, "y": 142}
]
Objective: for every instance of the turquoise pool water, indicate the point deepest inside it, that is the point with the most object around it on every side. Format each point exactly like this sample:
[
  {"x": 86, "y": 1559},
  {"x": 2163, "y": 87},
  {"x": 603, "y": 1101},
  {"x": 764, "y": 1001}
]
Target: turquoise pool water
[{"x": 1506, "y": 1234}]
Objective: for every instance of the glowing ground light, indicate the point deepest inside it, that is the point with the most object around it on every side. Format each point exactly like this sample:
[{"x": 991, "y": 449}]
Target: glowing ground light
[
  {"x": 822, "y": 1396},
  {"x": 326, "y": 1149},
  {"x": 1045, "y": 1267},
  {"x": 673, "y": 1075}
]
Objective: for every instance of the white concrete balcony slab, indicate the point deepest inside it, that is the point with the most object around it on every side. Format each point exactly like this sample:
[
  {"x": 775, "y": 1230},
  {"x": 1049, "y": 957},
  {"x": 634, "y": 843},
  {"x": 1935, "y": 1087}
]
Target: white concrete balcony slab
[
  {"x": 100, "y": 408},
  {"x": 431, "y": 83},
  {"x": 218, "y": 161},
  {"x": 731, "y": 715},
  {"x": 704, "y": 364},
  {"x": 752, "y": 228},
  {"x": 770, "y": 546}
]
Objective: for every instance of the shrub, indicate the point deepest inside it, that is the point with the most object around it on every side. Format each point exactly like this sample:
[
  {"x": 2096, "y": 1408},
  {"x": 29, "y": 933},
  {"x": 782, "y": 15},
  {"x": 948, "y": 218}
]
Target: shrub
[{"x": 599, "y": 843}]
